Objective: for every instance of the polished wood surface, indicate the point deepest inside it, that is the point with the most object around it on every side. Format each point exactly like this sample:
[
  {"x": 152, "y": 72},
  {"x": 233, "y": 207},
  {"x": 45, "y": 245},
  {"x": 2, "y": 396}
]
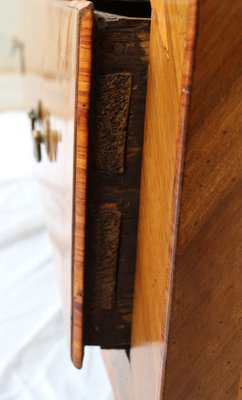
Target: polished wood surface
[
  {"x": 173, "y": 25},
  {"x": 46, "y": 48},
  {"x": 30, "y": 64},
  {"x": 171, "y": 55},
  {"x": 84, "y": 66},
  {"x": 119, "y": 371},
  {"x": 201, "y": 356},
  {"x": 187, "y": 327},
  {"x": 204, "y": 354},
  {"x": 64, "y": 182}
]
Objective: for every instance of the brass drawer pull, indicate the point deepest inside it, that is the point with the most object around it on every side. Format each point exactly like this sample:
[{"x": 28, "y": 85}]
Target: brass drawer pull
[{"x": 43, "y": 134}]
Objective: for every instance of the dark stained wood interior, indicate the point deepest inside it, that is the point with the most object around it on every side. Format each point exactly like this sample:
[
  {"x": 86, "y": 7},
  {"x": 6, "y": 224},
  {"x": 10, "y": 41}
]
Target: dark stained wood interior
[{"x": 115, "y": 150}]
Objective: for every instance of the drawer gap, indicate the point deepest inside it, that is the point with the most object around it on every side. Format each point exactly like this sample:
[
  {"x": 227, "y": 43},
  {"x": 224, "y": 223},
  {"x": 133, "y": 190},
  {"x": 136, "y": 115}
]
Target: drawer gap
[{"x": 134, "y": 9}]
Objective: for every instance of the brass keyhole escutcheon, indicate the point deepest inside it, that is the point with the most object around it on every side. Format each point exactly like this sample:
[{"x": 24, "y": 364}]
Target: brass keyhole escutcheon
[{"x": 42, "y": 134}]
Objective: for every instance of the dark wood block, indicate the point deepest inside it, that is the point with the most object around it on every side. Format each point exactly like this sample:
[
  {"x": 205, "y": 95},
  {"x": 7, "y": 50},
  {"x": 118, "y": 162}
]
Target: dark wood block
[{"x": 121, "y": 48}]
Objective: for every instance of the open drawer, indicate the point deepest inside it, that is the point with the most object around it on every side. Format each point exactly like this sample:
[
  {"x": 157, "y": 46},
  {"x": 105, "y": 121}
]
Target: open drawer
[{"x": 81, "y": 74}]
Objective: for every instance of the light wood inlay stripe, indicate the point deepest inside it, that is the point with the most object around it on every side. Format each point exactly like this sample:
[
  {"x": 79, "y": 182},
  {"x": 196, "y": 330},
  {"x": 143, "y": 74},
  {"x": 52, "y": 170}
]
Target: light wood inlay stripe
[{"x": 80, "y": 181}]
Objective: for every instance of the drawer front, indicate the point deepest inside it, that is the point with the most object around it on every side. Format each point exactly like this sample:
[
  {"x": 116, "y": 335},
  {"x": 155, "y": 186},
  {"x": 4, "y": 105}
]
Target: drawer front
[
  {"x": 81, "y": 75},
  {"x": 46, "y": 68}
]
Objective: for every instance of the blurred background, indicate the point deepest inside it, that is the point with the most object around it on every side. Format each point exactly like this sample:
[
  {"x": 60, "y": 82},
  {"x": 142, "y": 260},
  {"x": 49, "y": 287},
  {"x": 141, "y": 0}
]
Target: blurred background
[{"x": 34, "y": 355}]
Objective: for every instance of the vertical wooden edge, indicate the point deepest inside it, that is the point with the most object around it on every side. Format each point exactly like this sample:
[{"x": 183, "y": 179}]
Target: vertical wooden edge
[
  {"x": 83, "y": 87},
  {"x": 150, "y": 346},
  {"x": 183, "y": 119},
  {"x": 188, "y": 66},
  {"x": 119, "y": 372},
  {"x": 201, "y": 235}
]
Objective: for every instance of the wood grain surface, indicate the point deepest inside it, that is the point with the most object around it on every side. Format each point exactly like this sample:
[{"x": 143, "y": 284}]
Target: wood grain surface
[
  {"x": 121, "y": 50},
  {"x": 204, "y": 355},
  {"x": 30, "y": 63},
  {"x": 46, "y": 56},
  {"x": 84, "y": 67},
  {"x": 171, "y": 49},
  {"x": 201, "y": 357},
  {"x": 187, "y": 329},
  {"x": 119, "y": 371}
]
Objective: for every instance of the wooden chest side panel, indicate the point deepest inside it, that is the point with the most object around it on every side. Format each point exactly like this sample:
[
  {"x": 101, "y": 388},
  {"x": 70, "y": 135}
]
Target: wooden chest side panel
[
  {"x": 172, "y": 26},
  {"x": 204, "y": 350}
]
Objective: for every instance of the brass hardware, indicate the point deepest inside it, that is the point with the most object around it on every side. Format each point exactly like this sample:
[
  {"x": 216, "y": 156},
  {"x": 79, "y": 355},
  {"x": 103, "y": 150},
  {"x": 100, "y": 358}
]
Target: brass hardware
[{"x": 43, "y": 134}]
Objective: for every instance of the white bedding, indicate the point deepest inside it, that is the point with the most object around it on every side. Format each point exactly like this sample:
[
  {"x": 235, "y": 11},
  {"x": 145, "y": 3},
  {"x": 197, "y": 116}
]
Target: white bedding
[{"x": 34, "y": 359}]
